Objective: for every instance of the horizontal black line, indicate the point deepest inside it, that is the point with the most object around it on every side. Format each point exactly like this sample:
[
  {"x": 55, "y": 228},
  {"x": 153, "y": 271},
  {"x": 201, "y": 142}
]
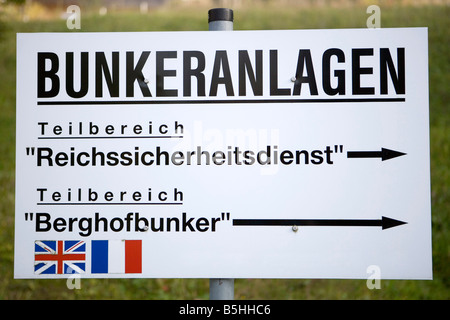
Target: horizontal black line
[
  {"x": 109, "y": 203},
  {"x": 384, "y": 222},
  {"x": 306, "y": 222},
  {"x": 364, "y": 154},
  {"x": 109, "y": 137},
  {"x": 223, "y": 101}
]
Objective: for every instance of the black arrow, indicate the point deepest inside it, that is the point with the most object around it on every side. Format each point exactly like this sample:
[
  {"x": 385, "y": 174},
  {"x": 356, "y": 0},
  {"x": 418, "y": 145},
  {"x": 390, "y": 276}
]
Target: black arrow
[
  {"x": 384, "y": 222},
  {"x": 384, "y": 154}
]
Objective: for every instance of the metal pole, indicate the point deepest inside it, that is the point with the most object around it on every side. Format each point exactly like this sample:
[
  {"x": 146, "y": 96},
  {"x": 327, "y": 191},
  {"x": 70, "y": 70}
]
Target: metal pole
[
  {"x": 221, "y": 289},
  {"x": 221, "y": 19}
]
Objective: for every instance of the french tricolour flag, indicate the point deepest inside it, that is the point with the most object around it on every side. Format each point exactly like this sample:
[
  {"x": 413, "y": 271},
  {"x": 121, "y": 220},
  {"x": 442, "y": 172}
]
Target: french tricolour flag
[{"x": 116, "y": 256}]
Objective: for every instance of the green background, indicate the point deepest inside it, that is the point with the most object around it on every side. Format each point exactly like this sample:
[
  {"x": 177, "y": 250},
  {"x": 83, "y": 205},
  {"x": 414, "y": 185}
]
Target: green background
[{"x": 272, "y": 15}]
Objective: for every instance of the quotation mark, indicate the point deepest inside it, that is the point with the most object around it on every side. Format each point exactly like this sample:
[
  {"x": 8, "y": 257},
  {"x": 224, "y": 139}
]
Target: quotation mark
[
  {"x": 30, "y": 151},
  {"x": 227, "y": 214}
]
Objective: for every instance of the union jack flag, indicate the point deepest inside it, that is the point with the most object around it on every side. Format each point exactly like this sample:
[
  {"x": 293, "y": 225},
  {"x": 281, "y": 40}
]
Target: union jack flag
[{"x": 59, "y": 256}]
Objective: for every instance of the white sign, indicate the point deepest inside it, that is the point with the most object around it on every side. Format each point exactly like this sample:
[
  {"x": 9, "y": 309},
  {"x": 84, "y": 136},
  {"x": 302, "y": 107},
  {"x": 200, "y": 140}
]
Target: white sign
[{"x": 246, "y": 154}]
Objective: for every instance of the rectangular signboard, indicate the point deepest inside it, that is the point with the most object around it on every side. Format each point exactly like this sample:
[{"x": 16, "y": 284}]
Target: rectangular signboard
[{"x": 246, "y": 154}]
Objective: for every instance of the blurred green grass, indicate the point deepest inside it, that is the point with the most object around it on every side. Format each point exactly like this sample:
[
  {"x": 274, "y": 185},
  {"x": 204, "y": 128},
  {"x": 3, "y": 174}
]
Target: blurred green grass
[{"x": 255, "y": 18}]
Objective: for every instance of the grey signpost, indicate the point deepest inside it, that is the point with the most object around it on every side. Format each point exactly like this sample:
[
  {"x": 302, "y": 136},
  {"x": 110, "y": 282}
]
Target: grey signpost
[{"x": 221, "y": 19}]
